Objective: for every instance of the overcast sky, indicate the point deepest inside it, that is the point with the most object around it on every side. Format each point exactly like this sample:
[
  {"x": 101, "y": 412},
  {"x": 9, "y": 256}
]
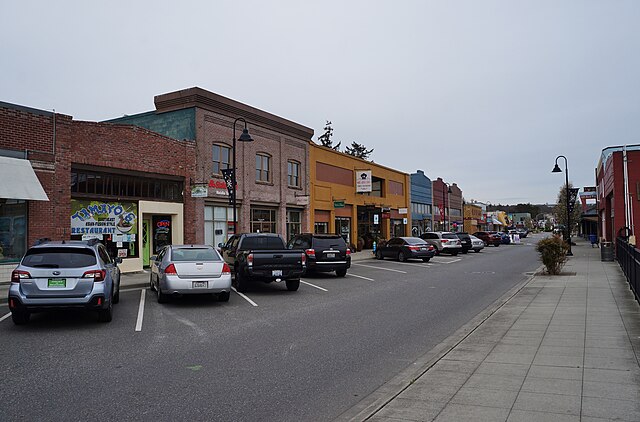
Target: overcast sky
[{"x": 482, "y": 93}]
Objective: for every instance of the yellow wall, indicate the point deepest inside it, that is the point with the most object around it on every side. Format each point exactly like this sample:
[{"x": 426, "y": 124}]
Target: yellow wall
[
  {"x": 472, "y": 213},
  {"x": 323, "y": 194}
]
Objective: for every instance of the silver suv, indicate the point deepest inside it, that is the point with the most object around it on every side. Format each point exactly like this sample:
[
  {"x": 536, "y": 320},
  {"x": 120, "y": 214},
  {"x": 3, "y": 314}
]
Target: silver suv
[
  {"x": 444, "y": 242},
  {"x": 67, "y": 274}
]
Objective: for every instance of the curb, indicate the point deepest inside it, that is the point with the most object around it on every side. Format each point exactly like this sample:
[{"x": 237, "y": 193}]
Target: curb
[{"x": 391, "y": 389}]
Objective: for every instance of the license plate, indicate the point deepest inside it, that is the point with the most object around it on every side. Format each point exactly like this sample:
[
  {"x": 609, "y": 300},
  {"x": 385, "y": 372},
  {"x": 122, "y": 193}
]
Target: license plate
[
  {"x": 57, "y": 282},
  {"x": 276, "y": 273},
  {"x": 199, "y": 284},
  {"x": 423, "y": 249},
  {"x": 331, "y": 255}
]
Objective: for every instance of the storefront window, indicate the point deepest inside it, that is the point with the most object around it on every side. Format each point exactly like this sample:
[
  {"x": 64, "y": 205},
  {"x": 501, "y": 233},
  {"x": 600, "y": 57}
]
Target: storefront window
[
  {"x": 114, "y": 223},
  {"x": 13, "y": 230},
  {"x": 343, "y": 228},
  {"x": 293, "y": 223},
  {"x": 263, "y": 220},
  {"x": 321, "y": 228},
  {"x": 216, "y": 221}
]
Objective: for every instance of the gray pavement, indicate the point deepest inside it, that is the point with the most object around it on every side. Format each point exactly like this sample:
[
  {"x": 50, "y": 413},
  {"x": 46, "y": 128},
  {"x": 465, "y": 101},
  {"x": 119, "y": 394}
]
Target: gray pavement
[{"x": 558, "y": 348}]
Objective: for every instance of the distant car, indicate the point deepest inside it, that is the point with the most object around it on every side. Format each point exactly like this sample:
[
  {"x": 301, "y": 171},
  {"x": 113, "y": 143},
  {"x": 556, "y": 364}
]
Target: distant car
[
  {"x": 489, "y": 238},
  {"x": 522, "y": 232},
  {"x": 66, "y": 274},
  {"x": 189, "y": 269},
  {"x": 444, "y": 242},
  {"x": 465, "y": 241},
  {"x": 476, "y": 244},
  {"x": 505, "y": 239},
  {"x": 403, "y": 248},
  {"x": 325, "y": 252}
]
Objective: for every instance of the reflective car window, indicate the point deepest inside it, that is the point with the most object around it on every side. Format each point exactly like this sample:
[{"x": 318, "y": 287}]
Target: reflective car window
[
  {"x": 59, "y": 258},
  {"x": 194, "y": 254},
  {"x": 330, "y": 242},
  {"x": 449, "y": 236}
]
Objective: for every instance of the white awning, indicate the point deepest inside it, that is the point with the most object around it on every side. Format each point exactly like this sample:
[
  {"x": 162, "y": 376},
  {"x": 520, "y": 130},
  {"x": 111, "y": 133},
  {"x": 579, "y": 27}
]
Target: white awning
[
  {"x": 19, "y": 181},
  {"x": 496, "y": 221}
]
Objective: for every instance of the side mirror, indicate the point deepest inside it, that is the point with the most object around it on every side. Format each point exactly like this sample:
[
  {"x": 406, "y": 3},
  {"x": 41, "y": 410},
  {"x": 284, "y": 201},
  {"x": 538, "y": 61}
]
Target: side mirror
[
  {"x": 153, "y": 257},
  {"x": 220, "y": 245},
  {"x": 118, "y": 260}
]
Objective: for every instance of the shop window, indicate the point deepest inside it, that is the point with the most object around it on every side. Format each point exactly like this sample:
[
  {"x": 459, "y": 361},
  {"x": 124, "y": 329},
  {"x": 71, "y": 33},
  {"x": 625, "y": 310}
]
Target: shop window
[
  {"x": 13, "y": 230},
  {"x": 321, "y": 228},
  {"x": 293, "y": 170},
  {"x": 263, "y": 220},
  {"x": 221, "y": 154},
  {"x": 294, "y": 223},
  {"x": 263, "y": 163}
]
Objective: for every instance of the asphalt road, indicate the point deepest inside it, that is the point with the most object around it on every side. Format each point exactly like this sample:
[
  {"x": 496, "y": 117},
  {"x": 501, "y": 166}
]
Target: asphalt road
[{"x": 307, "y": 355}]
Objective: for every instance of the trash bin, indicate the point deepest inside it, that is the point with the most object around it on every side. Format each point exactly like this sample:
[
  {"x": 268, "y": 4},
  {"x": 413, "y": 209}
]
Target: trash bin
[
  {"x": 593, "y": 239},
  {"x": 606, "y": 251}
]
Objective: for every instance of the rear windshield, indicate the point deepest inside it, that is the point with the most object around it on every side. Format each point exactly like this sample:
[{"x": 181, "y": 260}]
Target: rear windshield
[
  {"x": 194, "y": 254},
  {"x": 414, "y": 241},
  {"x": 449, "y": 236},
  {"x": 262, "y": 243},
  {"x": 327, "y": 243},
  {"x": 59, "y": 258}
]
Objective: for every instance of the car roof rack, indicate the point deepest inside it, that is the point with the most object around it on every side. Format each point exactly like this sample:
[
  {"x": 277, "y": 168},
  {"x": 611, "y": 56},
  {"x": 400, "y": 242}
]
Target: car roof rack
[
  {"x": 93, "y": 242},
  {"x": 41, "y": 241}
]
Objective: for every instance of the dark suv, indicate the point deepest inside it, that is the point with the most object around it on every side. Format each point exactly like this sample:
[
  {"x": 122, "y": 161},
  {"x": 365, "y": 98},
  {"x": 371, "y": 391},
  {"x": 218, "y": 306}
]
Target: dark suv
[
  {"x": 325, "y": 252},
  {"x": 465, "y": 240},
  {"x": 67, "y": 274}
]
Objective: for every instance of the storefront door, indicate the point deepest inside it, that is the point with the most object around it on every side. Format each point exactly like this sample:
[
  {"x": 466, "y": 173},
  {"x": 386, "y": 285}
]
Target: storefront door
[
  {"x": 343, "y": 228},
  {"x": 161, "y": 232},
  {"x": 146, "y": 242}
]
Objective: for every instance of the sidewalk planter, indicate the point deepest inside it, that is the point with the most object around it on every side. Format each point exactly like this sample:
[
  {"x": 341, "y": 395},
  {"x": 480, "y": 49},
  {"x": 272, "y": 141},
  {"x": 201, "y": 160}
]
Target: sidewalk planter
[
  {"x": 606, "y": 251},
  {"x": 553, "y": 253}
]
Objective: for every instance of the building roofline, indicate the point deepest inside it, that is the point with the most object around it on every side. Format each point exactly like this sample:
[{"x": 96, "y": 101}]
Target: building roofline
[
  {"x": 27, "y": 109},
  {"x": 367, "y": 162},
  {"x": 201, "y": 98}
]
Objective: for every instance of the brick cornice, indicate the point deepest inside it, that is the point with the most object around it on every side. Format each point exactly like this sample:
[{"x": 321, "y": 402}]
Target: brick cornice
[{"x": 201, "y": 98}]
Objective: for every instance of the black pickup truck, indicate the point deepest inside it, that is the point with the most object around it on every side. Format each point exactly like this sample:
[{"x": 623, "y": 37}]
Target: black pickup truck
[{"x": 263, "y": 257}]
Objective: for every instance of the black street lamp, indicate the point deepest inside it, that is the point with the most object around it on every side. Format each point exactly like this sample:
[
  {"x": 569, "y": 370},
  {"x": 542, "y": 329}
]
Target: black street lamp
[
  {"x": 245, "y": 137},
  {"x": 557, "y": 169},
  {"x": 444, "y": 207}
]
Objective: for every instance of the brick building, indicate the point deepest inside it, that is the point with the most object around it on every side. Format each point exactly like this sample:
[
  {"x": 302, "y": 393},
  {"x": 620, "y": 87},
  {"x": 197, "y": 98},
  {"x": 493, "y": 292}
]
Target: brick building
[
  {"x": 618, "y": 192},
  {"x": 272, "y": 185},
  {"x": 120, "y": 183},
  {"x": 447, "y": 206}
]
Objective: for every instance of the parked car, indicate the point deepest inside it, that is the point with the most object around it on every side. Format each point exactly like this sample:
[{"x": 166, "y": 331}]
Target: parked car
[
  {"x": 465, "y": 241},
  {"x": 189, "y": 269},
  {"x": 403, "y": 248},
  {"x": 263, "y": 257},
  {"x": 476, "y": 244},
  {"x": 325, "y": 252},
  {"x": 489, "y": 238},
  {"x": 505, "y": 239},
  {"x": 522, "y": 232},
  {"x": 444, "y": 242},
  {"x": 63, "y": 275}
]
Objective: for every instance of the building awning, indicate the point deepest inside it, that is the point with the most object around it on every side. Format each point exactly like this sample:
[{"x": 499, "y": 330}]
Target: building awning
[
  {"x": 19, "y": 181},
  {"x": 495, "y": 221}
]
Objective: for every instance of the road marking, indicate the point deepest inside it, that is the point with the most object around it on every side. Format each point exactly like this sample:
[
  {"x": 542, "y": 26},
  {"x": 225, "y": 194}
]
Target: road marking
[
  {"x": 451, "y": 262},
  {"x": 381, "y": 268},
  {"x": 141, "y": 310},
  {"x": 313, "y": 285},
  {"x": 133, "y": 289},
  {"x": 359, "y": 276},
  {"x": 5, "y": 317},
  {"x": 244, "y": 297}
]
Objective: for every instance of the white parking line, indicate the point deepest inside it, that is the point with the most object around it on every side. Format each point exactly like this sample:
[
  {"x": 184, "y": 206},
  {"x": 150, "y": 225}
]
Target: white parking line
[
  {"x": 313, "y": 285},
  {"x": 141, "y": 310},
  {"x": 451, "y": 262},
  {"x": 381, "y": 268},
  {"x": 5, "y": 317},
  {"x": 133, "y": 289},
  {"x": 244, "y": 297},
  {"x": 359, "y": 276}
]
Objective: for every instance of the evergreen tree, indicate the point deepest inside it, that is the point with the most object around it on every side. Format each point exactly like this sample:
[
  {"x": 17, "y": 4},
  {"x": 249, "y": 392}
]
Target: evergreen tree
[
  {"x": 325, "y": 138},
  {"x": 359, "y": 150}
]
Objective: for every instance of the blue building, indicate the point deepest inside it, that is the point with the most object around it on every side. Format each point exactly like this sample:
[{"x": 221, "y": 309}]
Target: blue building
[{"x": 421, "y": 203}]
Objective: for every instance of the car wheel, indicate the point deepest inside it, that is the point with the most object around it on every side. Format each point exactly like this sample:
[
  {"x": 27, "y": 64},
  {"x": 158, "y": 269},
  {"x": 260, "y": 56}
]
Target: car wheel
[
  {"x": 151, "y": 286},
  {"x": 425, "y": 259},
  {"x": 292, "y": 285},
  {"x": 465, "y": 251},
  {"x": 116, "y": 296},
  {"x": 341, "y": 273},
  {"x": 223, "y": 296},
  {"x": 241, "y": 283},
  {"x": 454, "y": 253},
  {"x": 401, "y": 257},
  {"x": 106, "y": 315},
  {"x": 162, "y": 297},
  {"x": 476, "y": 250},
  {"x": 379, "y": 255},
  {"x": 20, "y": 317},
  {"x": 497, "y": 245}
]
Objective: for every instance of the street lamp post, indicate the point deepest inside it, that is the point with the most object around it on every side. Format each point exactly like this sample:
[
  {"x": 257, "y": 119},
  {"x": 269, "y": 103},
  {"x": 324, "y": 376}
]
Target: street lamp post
[
  {"x": 444, "y": 206},
  {"x": 244, "y": 137},
  {"x": 557, "y": 169}
]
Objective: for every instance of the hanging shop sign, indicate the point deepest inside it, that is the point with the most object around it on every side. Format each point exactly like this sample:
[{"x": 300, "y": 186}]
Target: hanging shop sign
[
  {"x": 363, "y": 181},
  {"x": 98, "y": 218},
  {"x": 402, "y": 211},
  {"x": 338, "y": 204},
  {"x": 199, "y": 191}
]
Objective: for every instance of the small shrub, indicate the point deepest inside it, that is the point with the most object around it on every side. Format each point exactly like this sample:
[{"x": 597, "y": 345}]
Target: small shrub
[{"x": 553, "y": 253}]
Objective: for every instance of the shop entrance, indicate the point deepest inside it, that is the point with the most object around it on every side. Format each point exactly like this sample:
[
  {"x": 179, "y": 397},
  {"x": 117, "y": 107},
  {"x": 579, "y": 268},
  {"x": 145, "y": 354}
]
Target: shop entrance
[
  {"x": 369, "y": 221},
  {"x": 161, "y": 232},
  {"x": 343, "y": 228},
  {"x": 146, "y": 242}
]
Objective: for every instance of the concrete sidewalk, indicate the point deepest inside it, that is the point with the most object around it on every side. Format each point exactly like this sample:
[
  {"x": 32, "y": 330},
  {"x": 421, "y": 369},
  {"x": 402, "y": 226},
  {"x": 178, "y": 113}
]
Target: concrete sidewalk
[{"x": 559, "y": 348}]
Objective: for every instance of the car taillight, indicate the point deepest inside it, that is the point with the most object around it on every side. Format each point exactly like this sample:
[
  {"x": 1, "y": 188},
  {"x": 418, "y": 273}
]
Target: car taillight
[
  {"x": 431, "y": 247},
  {"x": 348, "y": 252},
  {"x": 414, "y": 248},
  {"x": 96, "y": 275},
  {"x": 311, "y": 253},
  {"x": 226, "y": 269},
  {"x": 250, "y": 260},
  {"x": 171, "y": 269},
  {"x": 18, "y": 275},
  {"x": 445, "y": 240},
  {"x": 303, "y": 257}
]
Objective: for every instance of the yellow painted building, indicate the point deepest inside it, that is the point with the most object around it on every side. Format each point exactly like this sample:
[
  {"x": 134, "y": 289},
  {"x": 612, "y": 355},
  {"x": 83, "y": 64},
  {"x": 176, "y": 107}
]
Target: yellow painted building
[
  {"x": 361, "y": 200},
  {"x": 472, "y": 217}
]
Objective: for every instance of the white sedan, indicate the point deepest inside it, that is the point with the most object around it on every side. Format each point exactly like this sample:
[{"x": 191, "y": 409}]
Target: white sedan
[{"x": 476, "y": 244}]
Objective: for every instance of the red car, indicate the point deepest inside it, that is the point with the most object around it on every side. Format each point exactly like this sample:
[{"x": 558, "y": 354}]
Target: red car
[{"x": 489, "y": 238}]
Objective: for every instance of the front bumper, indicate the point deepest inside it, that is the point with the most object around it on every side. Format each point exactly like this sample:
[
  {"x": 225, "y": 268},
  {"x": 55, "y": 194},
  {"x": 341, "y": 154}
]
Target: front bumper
[{"x": 175, "y": 285}]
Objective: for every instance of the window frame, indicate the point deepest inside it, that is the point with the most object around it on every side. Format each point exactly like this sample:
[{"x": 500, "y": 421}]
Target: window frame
[
  {"x": 259, "y": 169},
  {"x": 220, "y": 163},
  {"x": 290, "y": 175}
]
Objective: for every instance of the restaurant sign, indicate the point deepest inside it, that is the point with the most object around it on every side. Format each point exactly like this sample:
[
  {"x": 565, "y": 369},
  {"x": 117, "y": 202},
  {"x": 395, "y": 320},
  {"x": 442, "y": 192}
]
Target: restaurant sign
[{"x": 98, "y": 217}]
